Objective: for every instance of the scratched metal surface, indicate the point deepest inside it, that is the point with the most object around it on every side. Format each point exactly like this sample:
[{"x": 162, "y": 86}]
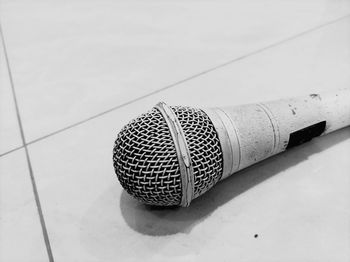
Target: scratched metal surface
[{"x": 82, "y": 69}]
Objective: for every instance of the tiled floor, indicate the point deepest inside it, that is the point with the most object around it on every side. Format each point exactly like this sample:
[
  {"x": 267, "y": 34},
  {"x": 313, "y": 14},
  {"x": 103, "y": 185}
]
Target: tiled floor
[
  {"x": 83, "y": 69},
  {"x": 9, "y": 130}
]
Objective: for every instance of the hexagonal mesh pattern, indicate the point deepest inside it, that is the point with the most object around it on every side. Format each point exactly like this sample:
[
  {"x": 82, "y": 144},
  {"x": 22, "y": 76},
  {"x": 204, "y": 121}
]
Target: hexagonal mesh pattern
[{"x": 145, "y": 158}]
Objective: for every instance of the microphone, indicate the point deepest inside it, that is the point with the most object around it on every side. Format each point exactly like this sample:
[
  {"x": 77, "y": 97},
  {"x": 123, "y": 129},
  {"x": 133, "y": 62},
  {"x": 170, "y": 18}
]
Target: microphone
[{"x": 173, "y": 154}]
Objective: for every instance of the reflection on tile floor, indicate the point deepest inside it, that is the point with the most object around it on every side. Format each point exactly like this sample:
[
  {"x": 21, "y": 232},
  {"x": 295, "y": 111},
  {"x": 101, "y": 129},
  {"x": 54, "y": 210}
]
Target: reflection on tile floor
[{"x": 99, "y": 55}]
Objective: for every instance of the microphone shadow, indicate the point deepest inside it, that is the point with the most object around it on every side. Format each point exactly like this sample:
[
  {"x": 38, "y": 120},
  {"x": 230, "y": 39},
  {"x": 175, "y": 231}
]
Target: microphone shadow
[{"x": 161, "y": 221}]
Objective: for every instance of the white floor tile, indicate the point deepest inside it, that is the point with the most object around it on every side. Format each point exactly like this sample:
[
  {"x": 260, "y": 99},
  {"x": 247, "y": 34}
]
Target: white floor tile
[
  {"x": 73, "y": 59},
  {"x": 316, "y": 62},
  {"x": 21, "y": 238},
  {"x": 297, "y": 203},
  {"x": 9, "y": 130}
]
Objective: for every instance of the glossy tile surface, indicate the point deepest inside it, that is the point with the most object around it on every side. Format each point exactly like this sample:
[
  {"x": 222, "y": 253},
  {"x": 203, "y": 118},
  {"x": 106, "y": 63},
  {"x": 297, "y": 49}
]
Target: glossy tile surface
[
  {"x": 73, "y": 59},
  {"x": 21, "y": 236},
  {"x": 291, "y": 207}
]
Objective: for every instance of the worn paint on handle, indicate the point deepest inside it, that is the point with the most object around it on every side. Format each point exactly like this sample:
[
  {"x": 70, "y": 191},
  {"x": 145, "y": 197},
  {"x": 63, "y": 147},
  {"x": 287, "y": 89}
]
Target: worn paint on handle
[{"x": 251, "y": 133}]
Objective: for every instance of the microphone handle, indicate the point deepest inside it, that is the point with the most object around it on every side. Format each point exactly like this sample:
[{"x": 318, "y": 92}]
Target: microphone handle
[{"x": 253, "y": 132}]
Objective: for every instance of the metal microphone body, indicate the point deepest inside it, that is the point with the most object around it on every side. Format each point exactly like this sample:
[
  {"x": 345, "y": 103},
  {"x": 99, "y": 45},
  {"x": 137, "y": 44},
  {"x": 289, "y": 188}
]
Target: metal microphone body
[
  {"x": 251, "y": 133},
  {"x": 171, "y": 155}
]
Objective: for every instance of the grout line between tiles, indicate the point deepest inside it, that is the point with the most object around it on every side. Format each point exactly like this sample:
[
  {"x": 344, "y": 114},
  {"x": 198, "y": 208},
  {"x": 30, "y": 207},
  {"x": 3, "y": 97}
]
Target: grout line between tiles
[
  {"x": 10, "y": 151},
  {"x": 260, "y": 50},
  {"x": 34, "y": 187}
]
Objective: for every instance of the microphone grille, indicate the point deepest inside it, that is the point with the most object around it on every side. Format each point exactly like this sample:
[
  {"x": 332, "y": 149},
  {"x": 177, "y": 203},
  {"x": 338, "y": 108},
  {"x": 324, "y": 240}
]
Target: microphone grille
[
  {"x": 204, "y": 146},
  {"x": 145, "y": 158}
]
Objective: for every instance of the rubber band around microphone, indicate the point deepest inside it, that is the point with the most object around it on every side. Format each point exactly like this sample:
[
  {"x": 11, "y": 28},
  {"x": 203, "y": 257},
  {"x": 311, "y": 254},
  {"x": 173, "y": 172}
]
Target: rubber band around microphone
[{"x": 182, "y": 151}]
